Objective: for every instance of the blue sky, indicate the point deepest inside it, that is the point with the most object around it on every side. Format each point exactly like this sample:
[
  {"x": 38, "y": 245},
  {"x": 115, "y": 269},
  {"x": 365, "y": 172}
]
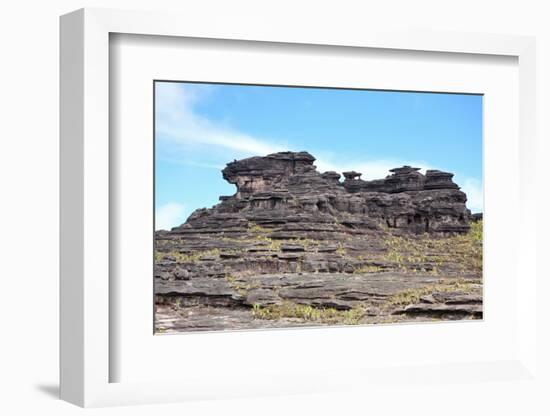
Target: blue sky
[{"x": 201, "y": 127}]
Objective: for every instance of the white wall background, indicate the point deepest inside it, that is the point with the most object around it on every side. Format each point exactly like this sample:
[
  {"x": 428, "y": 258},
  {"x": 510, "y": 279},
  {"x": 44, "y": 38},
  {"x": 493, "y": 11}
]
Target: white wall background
[{"x": 29, "y": 183}]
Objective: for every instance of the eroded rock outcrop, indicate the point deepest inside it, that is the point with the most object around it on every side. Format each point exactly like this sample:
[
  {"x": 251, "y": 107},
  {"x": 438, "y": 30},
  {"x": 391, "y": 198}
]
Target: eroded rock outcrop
[
  {"x": 285, "y": 191},
  {"x": 296, "y": 247}
]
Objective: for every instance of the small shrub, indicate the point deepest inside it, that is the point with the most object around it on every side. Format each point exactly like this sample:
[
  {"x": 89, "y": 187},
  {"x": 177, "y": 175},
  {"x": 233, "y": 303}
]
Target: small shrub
[
  {"x": 240, "y": 286},
  {"x": 368, "y": 269},
  {"x": 341, "y": 250},
  {"x": 308, "y": 313},
  {"x": 186, "y": 257},
  {"x": 412, "y": 296},
  {"x": 462, "y": 253},
  {"x": 258, "y": 229}
]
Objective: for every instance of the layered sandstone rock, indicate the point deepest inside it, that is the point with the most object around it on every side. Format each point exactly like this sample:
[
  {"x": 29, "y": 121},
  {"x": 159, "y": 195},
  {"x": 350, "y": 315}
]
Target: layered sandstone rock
[
  {"x": 285, "y": 191},
  {"x": 352, "y": 250}
]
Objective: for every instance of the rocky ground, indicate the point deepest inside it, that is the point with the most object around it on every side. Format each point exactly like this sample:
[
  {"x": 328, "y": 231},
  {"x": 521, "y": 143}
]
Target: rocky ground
[{"x": 294, "y": 247}]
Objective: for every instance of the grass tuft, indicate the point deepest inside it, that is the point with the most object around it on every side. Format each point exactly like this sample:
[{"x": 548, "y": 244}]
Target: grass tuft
[
  {"x": 186, "y": 257},
  {"x": 308, "y": 313},
  {"x": 412, "y": 296},
  {"x": 368, "y": 268},
  {"x": 427, "y": 253}
]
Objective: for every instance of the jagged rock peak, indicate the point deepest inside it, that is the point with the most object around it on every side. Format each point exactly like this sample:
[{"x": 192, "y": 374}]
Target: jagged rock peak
[
  {"x": 285, "y": 191},
  {"x": 259, "y": 165},
  {"x": 331, "y": 177},
  {"x": 404, "y": 170},
  {"x": 260, "y": 174},
  {"x": 352, "y": 175}
]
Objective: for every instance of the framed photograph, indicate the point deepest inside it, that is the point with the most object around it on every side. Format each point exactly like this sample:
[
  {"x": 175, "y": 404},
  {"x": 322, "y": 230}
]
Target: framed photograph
[
  {"x": 294, "y": 245},
  {"x": 288, "y": 207}
]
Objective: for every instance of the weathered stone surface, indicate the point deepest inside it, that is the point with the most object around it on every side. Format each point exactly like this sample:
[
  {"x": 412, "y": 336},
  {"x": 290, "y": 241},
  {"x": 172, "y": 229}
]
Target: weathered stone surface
[
  {"x": 285, "y": 188},
  {"x": 374, "y": 291},
  {"x": 292, "y": 247},
  {"x": 293, "y": 236},
  {"x": 451, "y": 305},
  {"x": 458, "y": 310}
]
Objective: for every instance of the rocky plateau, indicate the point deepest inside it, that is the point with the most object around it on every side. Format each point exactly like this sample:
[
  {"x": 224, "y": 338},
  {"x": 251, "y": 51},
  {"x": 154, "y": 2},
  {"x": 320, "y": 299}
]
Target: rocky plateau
[{"x": 296, "y": 247}]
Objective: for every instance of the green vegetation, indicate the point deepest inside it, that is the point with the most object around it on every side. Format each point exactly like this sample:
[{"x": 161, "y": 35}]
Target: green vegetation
[
  {"x": 274, "y": 245},
  {"x": 258, "y": 233},
  {"x": 186, "y": 257},
  {"x": 476, "y": 232},
  {"x": 411, "y": 296},
  {"x": 257, "y": 229},
  {"x": 241, "y": 287},
  {"x": 308, "y": 313},
  {"x": 308, "y": 243},
  {"x": 429, "y": 254},
  {"x": 230, "y": 251},
  {"x": 367, "y": 268}
]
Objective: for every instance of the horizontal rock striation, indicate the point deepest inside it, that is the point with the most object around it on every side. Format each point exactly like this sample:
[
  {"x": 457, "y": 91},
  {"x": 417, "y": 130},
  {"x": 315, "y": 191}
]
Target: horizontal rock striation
[{"x": 296, "y": 247}]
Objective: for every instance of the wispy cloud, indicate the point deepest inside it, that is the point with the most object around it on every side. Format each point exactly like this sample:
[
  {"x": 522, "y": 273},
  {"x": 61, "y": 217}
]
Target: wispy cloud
[
  {"x": 183, "y": 133},
  {"x": 169, "y": 215},
  {"x": 474, "y": 191},
  {"x": 178, "y": 123}
]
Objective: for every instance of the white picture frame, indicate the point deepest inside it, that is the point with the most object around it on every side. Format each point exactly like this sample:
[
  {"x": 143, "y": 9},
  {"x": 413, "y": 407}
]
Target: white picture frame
[{"x": 86, "y": 355}]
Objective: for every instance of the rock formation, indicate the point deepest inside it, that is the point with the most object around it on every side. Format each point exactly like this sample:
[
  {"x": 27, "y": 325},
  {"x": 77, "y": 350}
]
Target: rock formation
[
  {"x": 285, "y": 191},
  {"x": 351, "y": 251}
]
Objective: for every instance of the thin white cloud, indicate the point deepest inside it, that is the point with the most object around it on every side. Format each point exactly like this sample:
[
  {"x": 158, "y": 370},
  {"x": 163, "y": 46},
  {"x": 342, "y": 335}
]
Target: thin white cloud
[
  {"x": 474, "y": 191},
  {"x": 169, "y": 215},
  {"x": 178, "y": 123},
  {"x": 181, "y": 129}
]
